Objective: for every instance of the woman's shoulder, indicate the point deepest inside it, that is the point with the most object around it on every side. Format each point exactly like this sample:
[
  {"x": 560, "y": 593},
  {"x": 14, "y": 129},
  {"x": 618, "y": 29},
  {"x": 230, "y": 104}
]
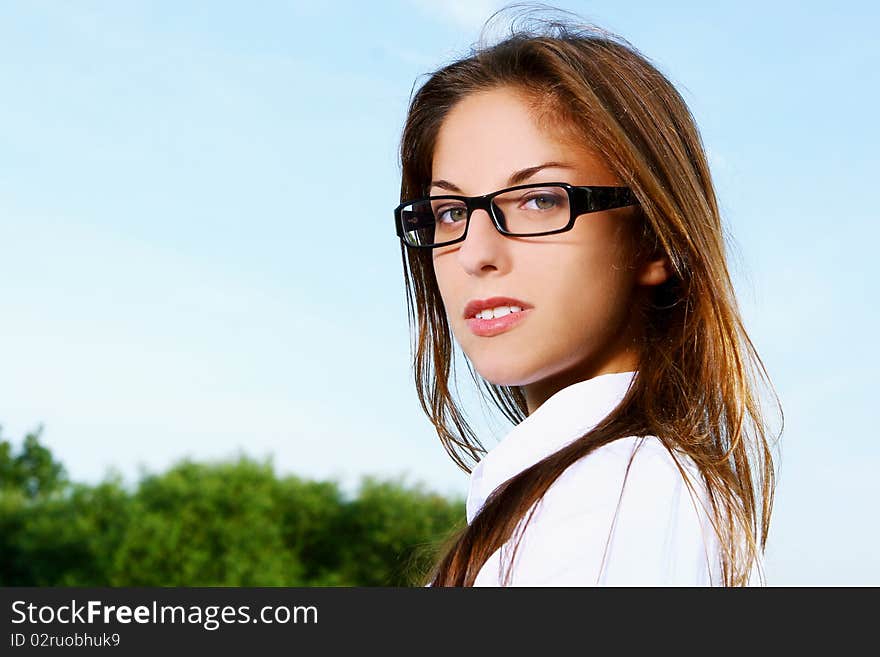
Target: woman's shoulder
[
  {"x": 634, "y": 484},
  {"x": 643, "y": 463},
  {"x": 620, "y": 514}
]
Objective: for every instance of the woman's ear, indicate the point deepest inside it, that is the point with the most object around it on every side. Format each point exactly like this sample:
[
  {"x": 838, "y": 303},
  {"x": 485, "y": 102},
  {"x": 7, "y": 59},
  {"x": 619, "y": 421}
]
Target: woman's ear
[{"x": 654, "y": 272}]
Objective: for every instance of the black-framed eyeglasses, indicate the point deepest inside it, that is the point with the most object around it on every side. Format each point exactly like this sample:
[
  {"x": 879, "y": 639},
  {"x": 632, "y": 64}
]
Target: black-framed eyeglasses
[{"x": 522, "y": 211}]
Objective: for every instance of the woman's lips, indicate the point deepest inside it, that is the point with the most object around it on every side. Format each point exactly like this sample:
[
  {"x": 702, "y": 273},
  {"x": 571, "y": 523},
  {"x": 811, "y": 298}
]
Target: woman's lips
[{"x": 486, "y": 328}]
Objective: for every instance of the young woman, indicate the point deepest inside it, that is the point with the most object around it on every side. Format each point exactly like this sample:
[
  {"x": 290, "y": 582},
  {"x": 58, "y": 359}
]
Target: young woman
[{"x": 558, "y": 223}]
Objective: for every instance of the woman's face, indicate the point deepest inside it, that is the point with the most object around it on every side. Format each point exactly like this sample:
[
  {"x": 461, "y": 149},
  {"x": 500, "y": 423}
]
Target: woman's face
[{"x": 578, "y": 289}]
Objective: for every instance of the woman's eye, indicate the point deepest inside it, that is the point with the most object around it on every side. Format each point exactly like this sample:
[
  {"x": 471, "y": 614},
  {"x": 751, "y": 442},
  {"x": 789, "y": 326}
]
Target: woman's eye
[
  {"x": 451, "y": 215},
  {"x": 544, "y": 202}
]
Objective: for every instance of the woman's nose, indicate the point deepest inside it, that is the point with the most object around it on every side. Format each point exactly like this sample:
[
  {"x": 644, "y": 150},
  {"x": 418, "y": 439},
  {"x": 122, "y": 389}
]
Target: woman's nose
[{"x": 483, "y": 245}]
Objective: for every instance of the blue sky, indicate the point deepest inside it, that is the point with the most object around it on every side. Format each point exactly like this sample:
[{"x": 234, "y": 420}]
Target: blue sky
[{"x": 173, "y": 283}]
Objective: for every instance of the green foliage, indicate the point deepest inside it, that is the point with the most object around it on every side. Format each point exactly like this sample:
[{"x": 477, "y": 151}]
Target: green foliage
[
  {"x": 203, "y": 525},
  {"x": 233, "y": 523},
  {"x": 391, "y": 532},
  {"x": 33, "y": 472}
]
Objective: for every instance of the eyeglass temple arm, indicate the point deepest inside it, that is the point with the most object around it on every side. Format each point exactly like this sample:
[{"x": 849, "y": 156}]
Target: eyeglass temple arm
[{"x": 596, "y": 199}]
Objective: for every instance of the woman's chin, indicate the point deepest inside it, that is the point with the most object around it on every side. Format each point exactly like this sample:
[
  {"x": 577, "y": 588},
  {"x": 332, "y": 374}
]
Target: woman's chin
[{"x": 502, "y": 373}]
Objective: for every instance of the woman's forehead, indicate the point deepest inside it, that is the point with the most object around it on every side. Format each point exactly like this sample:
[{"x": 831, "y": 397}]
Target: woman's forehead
[{"x": 489, "y": 136}]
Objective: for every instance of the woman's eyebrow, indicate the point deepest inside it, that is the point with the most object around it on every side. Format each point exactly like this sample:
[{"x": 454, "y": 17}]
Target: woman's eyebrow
[{"x": 515, "y": 178}]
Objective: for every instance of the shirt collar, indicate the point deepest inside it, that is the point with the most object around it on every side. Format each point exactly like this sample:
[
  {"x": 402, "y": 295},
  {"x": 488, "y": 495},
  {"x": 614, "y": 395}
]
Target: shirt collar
[{"x": 564, "y": 416}]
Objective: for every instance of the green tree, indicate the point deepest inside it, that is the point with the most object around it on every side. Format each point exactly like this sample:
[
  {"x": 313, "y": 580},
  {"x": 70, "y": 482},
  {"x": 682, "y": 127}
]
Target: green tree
[
  {"x": 232, "y": 523},
  {"x": 206, "y": 525},
  {"x": 33, "y": 472},
  {"x": 312, "y": 515},
  {"x": 391, "y": 532}
]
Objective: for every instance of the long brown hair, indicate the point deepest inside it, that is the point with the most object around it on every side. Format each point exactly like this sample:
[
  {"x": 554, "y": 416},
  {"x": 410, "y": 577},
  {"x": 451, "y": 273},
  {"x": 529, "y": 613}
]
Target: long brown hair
[{"x": 696, "y": 384}]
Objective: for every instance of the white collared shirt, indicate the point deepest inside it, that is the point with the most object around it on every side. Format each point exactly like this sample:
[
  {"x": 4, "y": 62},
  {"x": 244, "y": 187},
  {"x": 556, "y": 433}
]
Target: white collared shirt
[{"x": 590, "y": 529}]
